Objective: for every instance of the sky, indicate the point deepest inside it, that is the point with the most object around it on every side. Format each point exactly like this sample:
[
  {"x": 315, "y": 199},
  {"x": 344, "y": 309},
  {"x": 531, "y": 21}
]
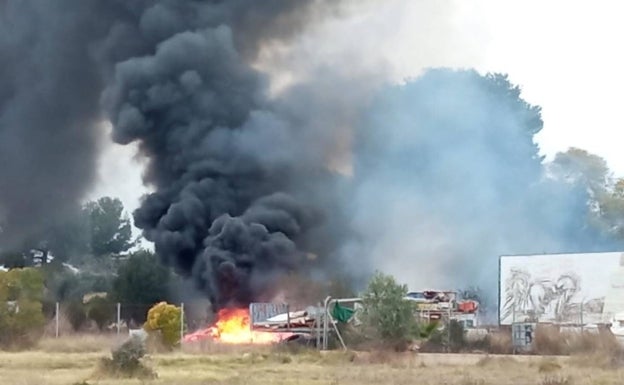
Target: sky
[{"x": 563, "y": 55}]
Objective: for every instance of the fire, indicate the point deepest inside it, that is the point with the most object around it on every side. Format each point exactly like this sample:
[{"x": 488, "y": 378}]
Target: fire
[{"x": 233, "y": 327}]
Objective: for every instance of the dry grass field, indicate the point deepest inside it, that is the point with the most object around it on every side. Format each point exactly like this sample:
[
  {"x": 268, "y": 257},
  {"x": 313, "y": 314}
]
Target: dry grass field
[{"x": 74, "y": 360}]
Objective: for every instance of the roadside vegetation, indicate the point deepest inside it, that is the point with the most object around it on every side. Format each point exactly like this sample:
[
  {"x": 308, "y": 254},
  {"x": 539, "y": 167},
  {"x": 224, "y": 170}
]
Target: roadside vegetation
[{"x": 250, "y": 365}]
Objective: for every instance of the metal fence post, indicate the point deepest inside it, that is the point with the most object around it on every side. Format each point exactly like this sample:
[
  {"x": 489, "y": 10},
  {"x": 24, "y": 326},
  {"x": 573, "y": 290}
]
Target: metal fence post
[
  {"x": 326, "y": 321},
  {"x": 317, "y": 324},
  {"x": 56, "y": 317},
  {"x": 448, "y": 331},
  {"x": 181, "y": 323},
  {"x": 118, "y": 318},
  {"x": 513, "y": 327},
  {"x": 288, "y": 316}
]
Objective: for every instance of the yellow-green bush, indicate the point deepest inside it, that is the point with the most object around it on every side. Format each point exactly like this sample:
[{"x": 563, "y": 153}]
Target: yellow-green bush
[{"x": 164, "y": 319}]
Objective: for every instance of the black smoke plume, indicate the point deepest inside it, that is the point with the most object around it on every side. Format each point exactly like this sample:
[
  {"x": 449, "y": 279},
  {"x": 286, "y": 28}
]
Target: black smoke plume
[
  {"x": 49, "y": 93},
  {"x": 56, "y": 59},
  {"x": 227, "y": 162}
]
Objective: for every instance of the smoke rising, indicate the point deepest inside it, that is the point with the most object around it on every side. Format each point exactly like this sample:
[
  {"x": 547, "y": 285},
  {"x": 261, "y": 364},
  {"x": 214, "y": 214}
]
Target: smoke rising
[
  {"x": 49, "y": 93},
  {"x": 229, "y": 164},
  {"x": 448, "y": 177},
  {"x": 56, "y": 58}
]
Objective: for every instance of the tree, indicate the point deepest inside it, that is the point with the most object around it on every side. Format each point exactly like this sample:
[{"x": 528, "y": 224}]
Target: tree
[
  {"x": 99, "y": 228},
  {"x": 141, "y": 282},
  {"x": 606, "y": 194},
  {"x": 612, "y": 209},
  {"x": 21, "y": 315},
  {"x": 577, "y": 165},
  {"x": 387, "y": 313},
  {"x": 110, "y": 228}
]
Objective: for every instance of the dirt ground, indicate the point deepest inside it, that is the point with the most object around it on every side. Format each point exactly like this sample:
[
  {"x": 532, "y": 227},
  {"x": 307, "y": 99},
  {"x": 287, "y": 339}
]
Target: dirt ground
[{"x": 54, "y": 363}]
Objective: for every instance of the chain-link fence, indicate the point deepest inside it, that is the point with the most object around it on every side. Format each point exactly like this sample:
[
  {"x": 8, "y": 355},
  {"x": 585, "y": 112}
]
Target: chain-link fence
[{"x": 109, "y": 318}]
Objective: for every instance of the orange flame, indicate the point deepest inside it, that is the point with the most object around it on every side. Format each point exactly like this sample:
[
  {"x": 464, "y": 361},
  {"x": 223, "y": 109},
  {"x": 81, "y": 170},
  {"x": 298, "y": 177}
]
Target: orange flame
[{"x": 233, "y": 327}]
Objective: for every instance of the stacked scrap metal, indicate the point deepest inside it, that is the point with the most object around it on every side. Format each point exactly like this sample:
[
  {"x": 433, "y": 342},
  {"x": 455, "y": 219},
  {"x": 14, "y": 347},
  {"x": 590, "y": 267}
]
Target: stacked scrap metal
[{"x": 296, "y": 319}]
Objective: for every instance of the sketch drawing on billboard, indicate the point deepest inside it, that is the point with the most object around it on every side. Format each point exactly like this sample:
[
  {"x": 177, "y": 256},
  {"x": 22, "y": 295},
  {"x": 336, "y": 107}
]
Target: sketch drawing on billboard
[
  {"x": 559, "y": 288},
  {"x": 537, "y": 296}
]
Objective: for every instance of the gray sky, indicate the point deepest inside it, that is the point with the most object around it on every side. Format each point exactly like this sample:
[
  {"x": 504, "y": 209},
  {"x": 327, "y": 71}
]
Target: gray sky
[{"x": 563, "y": 54}]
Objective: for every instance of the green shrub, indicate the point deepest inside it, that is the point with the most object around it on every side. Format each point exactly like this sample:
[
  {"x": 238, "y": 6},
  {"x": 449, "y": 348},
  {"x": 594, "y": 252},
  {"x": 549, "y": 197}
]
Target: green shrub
[
  {"x": 126, "y": 361},
  {"x": 456, "y": 336},
  {"x": 435, "y": 341},
  {"x": 21, "y": 314},
  {"x": 101, "y": 311},
  {"x": 449, "y": 338},
  {"x": 387, "y": 313}
]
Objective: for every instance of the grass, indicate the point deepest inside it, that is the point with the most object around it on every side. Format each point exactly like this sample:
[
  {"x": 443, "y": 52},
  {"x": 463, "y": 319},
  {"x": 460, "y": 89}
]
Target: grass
[
  {"x": 74, "y": 360},
  {"x": 556, "y": 381},
  {"x": 548, "y": 365},
  {"x": 80, "y": 343}
]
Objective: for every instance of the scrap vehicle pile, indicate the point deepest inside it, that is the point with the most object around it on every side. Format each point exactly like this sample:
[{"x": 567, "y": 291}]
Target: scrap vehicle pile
[
  {"x": 435, "y": 305},
  {"x": 303, "y": 319}
]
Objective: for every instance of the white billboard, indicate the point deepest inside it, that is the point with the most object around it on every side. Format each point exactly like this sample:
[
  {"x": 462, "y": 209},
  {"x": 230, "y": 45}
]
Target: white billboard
[{"x": 579, "y": 288}]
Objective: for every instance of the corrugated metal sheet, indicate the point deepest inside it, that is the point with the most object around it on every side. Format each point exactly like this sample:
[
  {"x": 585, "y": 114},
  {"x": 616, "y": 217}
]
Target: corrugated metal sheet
[{"x": 261, "y": 311}]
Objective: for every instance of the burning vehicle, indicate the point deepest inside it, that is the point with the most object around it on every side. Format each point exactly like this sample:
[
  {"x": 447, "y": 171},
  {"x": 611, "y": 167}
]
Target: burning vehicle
[
  {"x": 233, "y": 326},
  {"x": 261, "y": 323},
  {"x": 271, "y": 323}
]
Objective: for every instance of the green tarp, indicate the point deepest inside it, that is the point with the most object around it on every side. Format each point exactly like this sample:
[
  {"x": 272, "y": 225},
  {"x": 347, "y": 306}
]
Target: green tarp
[{"x": 341, "y": 313}]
